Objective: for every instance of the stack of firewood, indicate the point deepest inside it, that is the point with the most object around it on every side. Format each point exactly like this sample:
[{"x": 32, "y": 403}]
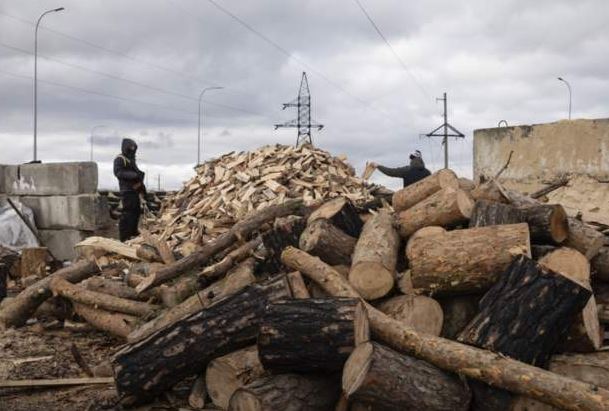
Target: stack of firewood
[{"x": 453, "y": 297}]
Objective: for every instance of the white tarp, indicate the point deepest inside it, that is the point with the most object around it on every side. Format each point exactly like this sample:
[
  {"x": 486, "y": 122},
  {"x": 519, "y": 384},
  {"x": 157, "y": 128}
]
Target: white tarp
[{"x": 14, "y": 234}]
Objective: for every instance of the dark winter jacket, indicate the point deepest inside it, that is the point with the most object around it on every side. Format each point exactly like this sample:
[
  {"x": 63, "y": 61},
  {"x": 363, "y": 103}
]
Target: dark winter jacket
[
  {"x": 410, "y": 174},
  {"x": 130, "y": 178}
]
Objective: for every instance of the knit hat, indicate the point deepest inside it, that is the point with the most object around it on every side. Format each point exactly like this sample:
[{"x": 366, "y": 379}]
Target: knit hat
[{"x": 416, "y": 154}]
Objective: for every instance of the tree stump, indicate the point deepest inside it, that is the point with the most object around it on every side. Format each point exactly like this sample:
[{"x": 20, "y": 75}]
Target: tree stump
[
  {"x": 422, "y": 313},
  {"x": 311, "y": 335},
  {"x": 340, "y": 212},
  {"x": 415, "y": 193},
  {"x": 391, "y": 381},
  {"x": 326, "y": 241}
]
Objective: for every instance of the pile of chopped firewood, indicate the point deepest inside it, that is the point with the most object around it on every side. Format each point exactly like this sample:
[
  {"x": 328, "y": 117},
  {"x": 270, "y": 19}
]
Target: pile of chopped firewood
[{"x": 453, "y": 297}]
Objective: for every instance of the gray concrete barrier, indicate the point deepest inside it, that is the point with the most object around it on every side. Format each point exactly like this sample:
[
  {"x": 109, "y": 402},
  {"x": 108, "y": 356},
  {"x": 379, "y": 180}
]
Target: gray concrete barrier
[{"x": 51, "y": 179}]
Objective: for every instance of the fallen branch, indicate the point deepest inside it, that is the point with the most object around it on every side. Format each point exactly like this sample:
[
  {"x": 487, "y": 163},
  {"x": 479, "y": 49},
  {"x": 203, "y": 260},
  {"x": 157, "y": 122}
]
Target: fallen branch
[{"x": 54, "y": 383}]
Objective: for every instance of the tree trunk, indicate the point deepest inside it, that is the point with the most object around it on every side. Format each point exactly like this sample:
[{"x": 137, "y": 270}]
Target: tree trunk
[
  {"x": 237, "y": 232},
  {"x": 424, "y": 232},
  {"x": 146, "y": 368},
  {"x": 422, "y": 313},
  {"x": 311, "y": 335},
  {"x": 525, "y": 316},
  {"x": 465, "y": 261},
  {"x": 286, "y": 231},
  {"x": 392, "y": 381},
  {"x": 499, "y": 371},
  {"x": 117, "y": 324},
  {"x": 293, "y": 392},
  {"x": 34, "y": 261},
  {"x": 340, "y": 212},
  {"x": 415, "y": 193},
  {"x": 458, "y": 311},
  {"x": 327, "y": 242},
  {"x": 600, "y": 264},
  {"x": 447, "y": 207},
  {"x": 78, "y": 294},
  {"x": 239, "y": 278},
  {"x": 227, "y": 374},
  {"x": 584, "y": 238},
  {"x": 111, "y": 287},
  {"x": 375, "y": 256},
  {"x": 547, "y": 222},
  {"x": 25, "y": 304},
  {"x": 487, "y": 213}
]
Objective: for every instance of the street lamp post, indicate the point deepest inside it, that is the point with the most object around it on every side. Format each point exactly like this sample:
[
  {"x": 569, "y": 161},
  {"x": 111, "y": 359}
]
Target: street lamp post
[
  {"x": 199, "y": 131},
  {"x": 92, "y": 135},
  {"x": 36, "y": 79},
  {"x": 569, "y": 87}
]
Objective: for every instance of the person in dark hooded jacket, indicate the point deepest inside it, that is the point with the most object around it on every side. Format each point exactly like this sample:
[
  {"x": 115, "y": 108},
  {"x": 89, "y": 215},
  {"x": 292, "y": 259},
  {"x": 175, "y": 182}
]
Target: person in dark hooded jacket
[
  {"x": 131, "y": 185},
  {"x": 410, "y": 174}
]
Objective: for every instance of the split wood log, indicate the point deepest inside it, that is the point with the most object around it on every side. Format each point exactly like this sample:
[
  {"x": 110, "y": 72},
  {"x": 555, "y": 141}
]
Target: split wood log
[
  {"x": 25, "y": 304},
  {"x": 237, "y": 232},
  {"x": 98, "y": 246},
  {"x": 499, "y": 371},
  {"x": 146, "y": 368},
  {"x": 34, "y": 261},
  {"x": 198, "y": 393},
  {"x": 326, "y": 241},
  {"x": 600, "y": 264},
  {"x": 117, "y": 324},
  {"x": 487, "y": 213},
  {"x": 586, "y": 332},
  {"x": 78, "y": 294},
  {"x": 240, "y": 277},
  {"x": 415, "y": 193},
  {"x": 525, "y": 316},
  {"x": 447, "y": 207},
  {"x": 286, "y": 231},
  {"x": 111, "y": 287},
  {"x": 375, "y": 257},
  {"x": 297, "y": 285},
  {"x": 422, "y": 313},
  {"x": 311, "y": 335},
  {"x": 465, "y": 261},
  {"x": 584, "y": 238},
  {"x": 548, "y": 223},
  {"x": 294, "y": 392},
  {"x": 340, "y": 212},
  {"x": 227, "y": 374},
  {"x": 391, "y": 381},
  {"x": 160, "y": 245}
]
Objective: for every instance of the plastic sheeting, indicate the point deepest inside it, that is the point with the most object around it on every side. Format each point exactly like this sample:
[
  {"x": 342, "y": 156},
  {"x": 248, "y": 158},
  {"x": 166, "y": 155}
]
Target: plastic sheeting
[{"x": 14, "y": 234}]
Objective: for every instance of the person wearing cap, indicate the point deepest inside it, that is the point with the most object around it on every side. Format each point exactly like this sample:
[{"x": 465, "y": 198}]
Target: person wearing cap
[{"x": 411, "y": 173}]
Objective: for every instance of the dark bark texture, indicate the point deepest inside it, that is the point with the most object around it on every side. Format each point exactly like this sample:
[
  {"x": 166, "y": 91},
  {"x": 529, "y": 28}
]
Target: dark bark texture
[
  {"x": 328, "y": 242},
  {"x": 286, "y": 231},
  {"x": 487, "y": 213}
]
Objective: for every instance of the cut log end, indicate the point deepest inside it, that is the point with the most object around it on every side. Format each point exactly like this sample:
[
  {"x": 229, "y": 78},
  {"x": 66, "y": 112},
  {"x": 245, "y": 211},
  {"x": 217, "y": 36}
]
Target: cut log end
[
  {"x": 559, "y": 227},
  {"x": 371, "y": 280},
  {"x": 245, "y": 401},
  {"x": 356, "y": 368}
]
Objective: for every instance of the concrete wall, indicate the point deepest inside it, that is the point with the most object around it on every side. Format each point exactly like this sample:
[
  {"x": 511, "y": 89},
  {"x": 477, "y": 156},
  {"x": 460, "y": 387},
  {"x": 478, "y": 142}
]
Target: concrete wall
[
  {"x": 545, "y": 152},
  {"x": 51, "y": 179}
]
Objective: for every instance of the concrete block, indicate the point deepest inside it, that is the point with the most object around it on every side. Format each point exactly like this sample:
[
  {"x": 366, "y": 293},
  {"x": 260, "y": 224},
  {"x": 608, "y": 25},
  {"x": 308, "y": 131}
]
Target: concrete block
[
  {"x": 81, "y": 212},
  {"x": 2, "y": 178},
  {"x": 51, "y": 179},
  {"x": 61, "y": 242}
]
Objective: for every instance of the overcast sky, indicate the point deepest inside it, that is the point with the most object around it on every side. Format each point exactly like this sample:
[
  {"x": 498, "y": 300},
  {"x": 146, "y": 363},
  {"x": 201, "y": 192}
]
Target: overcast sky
[{"x": 137, "y": 67}]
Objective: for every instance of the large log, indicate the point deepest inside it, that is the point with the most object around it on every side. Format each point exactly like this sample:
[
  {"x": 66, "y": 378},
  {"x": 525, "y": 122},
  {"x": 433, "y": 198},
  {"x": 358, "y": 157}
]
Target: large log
[
  {"x": 471, "y": 362},
  {"x": 525, "y": 316},
  {"x": 340, "y": 212},
  {"x": 294, "y": 392},
  {"x": 146, "y": 368},
  {"x": 227, "y": 374},
  {"x": 487, "y": 213},
  {"x": 424, "y": 232},
  {"x": 422, "y": 313},
  {"x": 78, "y": 294},
  {"x": 391, "y": 381},
  {"x": 415, "y": 193},
  {"x": 237, "y": 232},
  {"x": 326, "y": 241},
  {"x": 465, "y": 261},
  {"x": 600, "y": 265},
  {"x": 311, "y": 335},
  {"x": 447, "y": 207},
  {"x": 117, "y": 324},
  {"x": 375, "y": 256},
  {"x": 285, "y": 232},
  {"x": 548, "y": 223},
  {"x": 584, "y": 238},
  {"x": 458, "y": 311},
  {"x": 237, "y": 279},
  {"x": 25, "y": 304}
]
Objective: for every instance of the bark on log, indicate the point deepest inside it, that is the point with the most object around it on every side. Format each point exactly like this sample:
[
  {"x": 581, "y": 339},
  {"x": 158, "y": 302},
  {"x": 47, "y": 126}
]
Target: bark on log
[
  {"x": 237, "y": 232},
  {"x": 213, "y": 272},
  {"x": 294, "y": 392},
  {"x": 391, "y": 381},
  {"x": 326, "y": 241},
  {"x": 312, "y": 335},
  {"x": 239, "y": 278},
  {"x": 499, "y": 371},
  {"x": 487, "y": 213},
  {"x": 424, "y": 232},
  {"x": 548, "y": 223},
  {"x": 465, "y": 261},
  {"x": 146, "y": 368},
  {"x": 227, "y": 374},
  {"x": 286, "y": 231},
  {"x": 422, "y": 313},
  {"x": 340, "y": 212},
  {"x": 117, "y": 324},
  {"x": 111, "y": 287},
  {"x": 25, "y": 304},
  {"x": 600, "y": 265},
  {"x": 458, "y": 311},
  {"x": 447, "y": 207},
  {"x": 584, "y": 238},
  {"x": 78, "y": 294},
  {"x": 375, "y": 256},
  {"x": 415, "y": 193}
]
